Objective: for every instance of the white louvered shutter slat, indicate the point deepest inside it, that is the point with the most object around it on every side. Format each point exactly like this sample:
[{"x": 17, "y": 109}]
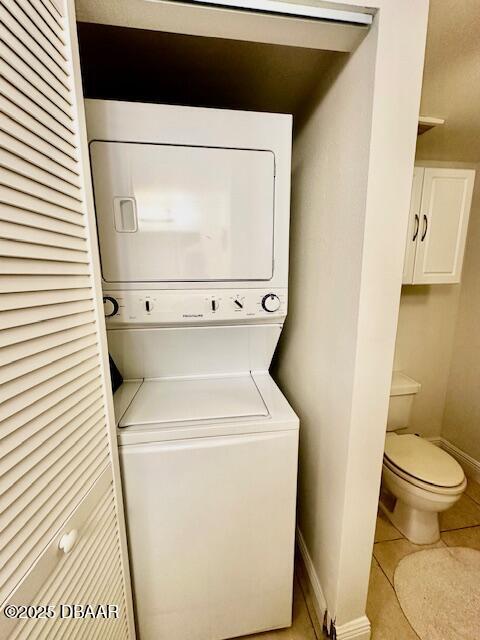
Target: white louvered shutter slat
[
  {"x": 9, "y": 284},
  {"x": 17, "y": 335},
  {"x": 36, "y": 140},
  {"x": 54, "y": 95},
  {"x": 43, "y": 389},
  {"x": 21, "y": 317},
  {"x": 55, "y": 435},
  {"x": 32, "y": 363},
  {"x": 19, "y": 50},
  {"x": 54, "y": 35},
  {"x": 18, "y": 387},
  {"x": 29, "y": 542},
  {"x": 16, "y": 518},
  {"x": 37, "y": 159},
  {"x": 22, "y": 424},
  {"x": 23, "y": 111},
  {"x": 12, "y": 196},
  {"x": 41, "y": 191},
  {"x": 57, "y": 5},
  {"x": 12, "y": 231},
  {"x": 21, "y": 249},
  {"x": 23, "y": 34},
  {"x": 90, "y": 573},
  {"x": 17, "y": 352},
  {"x": 37, "y": 268},
  {"x": 104, "y": 515},
  {"x": 41, "y": 430},
  {"x": 23, "y": 14},
  {"x": 37, "y": 221},
  {"x": 43, "y": 98},
  {"x": 53, "y": 10},
  {"x": 82, "y": 428},
  {"x": 29, "y": 299},
  {"x": 48, "y": 19},
  {"x": 31, "y": 171}
]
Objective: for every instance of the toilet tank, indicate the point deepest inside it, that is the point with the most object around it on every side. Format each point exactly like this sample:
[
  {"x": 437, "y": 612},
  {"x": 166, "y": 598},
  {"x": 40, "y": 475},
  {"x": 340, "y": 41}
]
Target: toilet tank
[{"x": 402, "y": 393}]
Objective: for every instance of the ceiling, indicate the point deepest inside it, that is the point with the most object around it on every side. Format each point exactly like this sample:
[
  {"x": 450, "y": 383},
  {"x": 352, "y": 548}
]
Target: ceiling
[{"x": 451, "y": 82}]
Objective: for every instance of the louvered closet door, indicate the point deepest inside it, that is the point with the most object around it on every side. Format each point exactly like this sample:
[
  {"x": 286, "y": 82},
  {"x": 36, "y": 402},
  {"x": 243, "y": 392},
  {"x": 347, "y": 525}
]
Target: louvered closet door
[
  {"x": 55, "y": 436},
  {"x": 92, "y": 569}
]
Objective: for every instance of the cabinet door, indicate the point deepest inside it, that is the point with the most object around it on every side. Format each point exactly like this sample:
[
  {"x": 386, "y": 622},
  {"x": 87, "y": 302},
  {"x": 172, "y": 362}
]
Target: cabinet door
[
  {"x": 445, "y": 209},
  {"x": 56, "y": 431},
  {"x": 413, "y": 225}
]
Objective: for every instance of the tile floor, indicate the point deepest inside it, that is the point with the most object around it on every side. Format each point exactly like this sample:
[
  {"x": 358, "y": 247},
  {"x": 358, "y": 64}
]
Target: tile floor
[
  {"x": 305, "y": 625},
  {"x": 460, "y": 526}
]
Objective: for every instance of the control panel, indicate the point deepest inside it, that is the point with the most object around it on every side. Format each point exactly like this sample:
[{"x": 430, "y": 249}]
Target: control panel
[{"x": 193, "y": 307}]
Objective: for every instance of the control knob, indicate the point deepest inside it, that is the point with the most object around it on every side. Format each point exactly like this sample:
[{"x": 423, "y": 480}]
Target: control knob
[
  {"x": 271, "y": 302},
  {"x": 110, "y": 306}
]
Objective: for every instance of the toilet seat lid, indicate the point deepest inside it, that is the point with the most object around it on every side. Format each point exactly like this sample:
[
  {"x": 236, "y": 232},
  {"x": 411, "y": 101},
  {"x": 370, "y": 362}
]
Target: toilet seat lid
[{"x": 423, "y": 460}]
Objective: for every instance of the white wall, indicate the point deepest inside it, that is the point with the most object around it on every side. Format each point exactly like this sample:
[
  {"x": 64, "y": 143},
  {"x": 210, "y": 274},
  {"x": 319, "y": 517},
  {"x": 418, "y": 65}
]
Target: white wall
[{"x": 353, "y": 162}]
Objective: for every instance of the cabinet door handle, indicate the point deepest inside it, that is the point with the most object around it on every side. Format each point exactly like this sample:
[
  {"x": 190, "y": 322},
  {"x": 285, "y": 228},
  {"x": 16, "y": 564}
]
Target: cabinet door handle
[
  {"x": 417, "y": 224},
  {"x": 425, "y": 227}
]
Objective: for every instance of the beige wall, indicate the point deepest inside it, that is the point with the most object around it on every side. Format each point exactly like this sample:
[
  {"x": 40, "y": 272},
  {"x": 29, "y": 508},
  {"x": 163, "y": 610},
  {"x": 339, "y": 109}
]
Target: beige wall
[
  {"x": 436, "y": 337},
  {"x": 426, "y": 332},
  {"x": 438, "y": 340},
  {"x": 451, "y": 82},
  {"x": 352, "y": 174},
  {"x": 316, "y": 356},
  {"x": 426, "y": 329},
  {"x": 461, "y": 424}
]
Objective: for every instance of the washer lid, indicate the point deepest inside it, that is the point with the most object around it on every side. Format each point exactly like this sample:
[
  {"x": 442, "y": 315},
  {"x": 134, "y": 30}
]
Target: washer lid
[
  {"x": 190, "y": 399},
  {"x": 423, "y": 460}
]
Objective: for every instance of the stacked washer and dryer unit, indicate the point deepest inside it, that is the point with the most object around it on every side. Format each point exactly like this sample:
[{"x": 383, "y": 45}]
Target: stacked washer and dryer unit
[{"x": 192, "y": 210}]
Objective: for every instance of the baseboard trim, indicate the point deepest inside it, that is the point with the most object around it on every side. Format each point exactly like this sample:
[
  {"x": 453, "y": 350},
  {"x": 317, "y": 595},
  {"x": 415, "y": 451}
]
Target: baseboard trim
[
  {"x": 469, "y": 464},
  {"x": 358, "y": 629},
  {"x": 318, "y": 599}
]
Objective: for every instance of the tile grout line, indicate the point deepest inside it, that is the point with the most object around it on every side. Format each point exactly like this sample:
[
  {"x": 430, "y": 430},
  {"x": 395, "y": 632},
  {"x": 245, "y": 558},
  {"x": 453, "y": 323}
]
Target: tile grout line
[
  {"x": 468, "y": 526},
  {"x": 307, "y": 607},
  {"x": 396, "y": 598},
  {"x": 390, "y": 540}
]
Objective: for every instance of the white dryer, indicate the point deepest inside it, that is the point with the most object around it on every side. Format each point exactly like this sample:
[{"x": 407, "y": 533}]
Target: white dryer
[{"x": 193, "y": 214}]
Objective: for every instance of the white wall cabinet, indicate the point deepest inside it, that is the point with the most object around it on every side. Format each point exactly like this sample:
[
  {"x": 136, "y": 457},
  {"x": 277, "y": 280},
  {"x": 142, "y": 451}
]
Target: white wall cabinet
[{"x": 437, "y": 229}]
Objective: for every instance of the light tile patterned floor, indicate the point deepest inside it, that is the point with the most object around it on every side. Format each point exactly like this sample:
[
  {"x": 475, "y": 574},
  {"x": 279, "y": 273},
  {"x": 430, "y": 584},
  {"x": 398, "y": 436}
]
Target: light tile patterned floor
[
  {"x": 305, "y": 624},
  {"x": 460, "y": 526}
]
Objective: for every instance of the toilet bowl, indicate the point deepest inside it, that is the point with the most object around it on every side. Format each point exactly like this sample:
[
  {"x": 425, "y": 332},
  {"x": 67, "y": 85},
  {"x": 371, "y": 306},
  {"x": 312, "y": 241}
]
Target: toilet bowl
[
  {"x": 423, "y": 480},
  {"x": 419, "y": 480}
]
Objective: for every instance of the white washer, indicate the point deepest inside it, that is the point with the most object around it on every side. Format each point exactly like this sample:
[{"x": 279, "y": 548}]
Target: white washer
[{"x": 210, "y": 505}]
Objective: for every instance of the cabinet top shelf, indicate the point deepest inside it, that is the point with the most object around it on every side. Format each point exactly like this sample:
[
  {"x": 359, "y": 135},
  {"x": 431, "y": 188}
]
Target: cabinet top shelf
[{"x": 425, "y": 123}]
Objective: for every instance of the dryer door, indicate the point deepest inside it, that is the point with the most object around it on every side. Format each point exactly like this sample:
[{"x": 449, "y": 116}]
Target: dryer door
[{"x": 183, "y": 214}]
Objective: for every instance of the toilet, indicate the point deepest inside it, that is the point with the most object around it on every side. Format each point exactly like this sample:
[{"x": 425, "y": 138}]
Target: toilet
[{"x": 419, "y": 480}]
